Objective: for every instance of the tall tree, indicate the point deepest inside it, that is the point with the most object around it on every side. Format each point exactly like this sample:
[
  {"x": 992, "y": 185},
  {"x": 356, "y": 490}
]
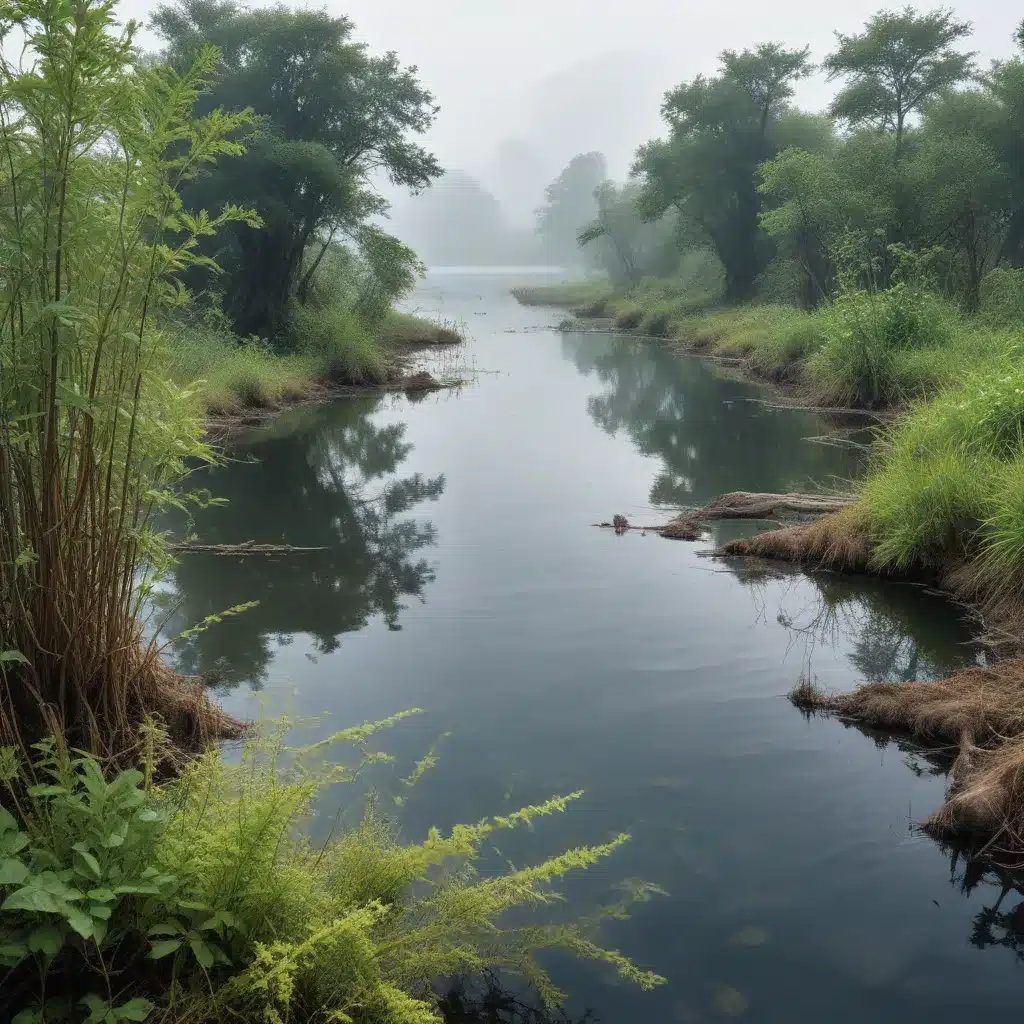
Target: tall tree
[
  {"x": 569, "y": 205},
  {"x": 720, "y": 130},
  {"x": 330, "y": 115},
  {"x": 899, "y": 62}
]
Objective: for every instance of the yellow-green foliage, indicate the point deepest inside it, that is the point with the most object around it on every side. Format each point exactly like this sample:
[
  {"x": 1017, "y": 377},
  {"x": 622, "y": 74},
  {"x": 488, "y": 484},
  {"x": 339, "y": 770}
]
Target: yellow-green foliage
[
  {"x": 334, "y": 928},
  {"x": 343, "y": 348},
  {"x": 240, "y": 913},
  {"x": 408, "y": 329},
  {"x": 565, "y": 293}
]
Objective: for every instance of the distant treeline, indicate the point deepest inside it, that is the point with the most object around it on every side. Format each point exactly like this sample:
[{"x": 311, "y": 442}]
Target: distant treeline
[{"x": 921, "y": 148}]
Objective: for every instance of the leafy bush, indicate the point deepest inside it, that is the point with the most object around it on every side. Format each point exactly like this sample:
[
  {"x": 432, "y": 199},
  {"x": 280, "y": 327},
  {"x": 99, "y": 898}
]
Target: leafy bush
[
  {"x": 657, "y": 322},
  {"x": 628, "y": 316},
  {"x": 208, "y": 895},
  {"x": 865, "y": 333}
]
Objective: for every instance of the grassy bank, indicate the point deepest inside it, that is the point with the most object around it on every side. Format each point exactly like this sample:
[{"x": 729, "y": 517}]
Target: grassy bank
[
  {"x": 867, "y": 349},
  {"x": 228, "y": 375}
]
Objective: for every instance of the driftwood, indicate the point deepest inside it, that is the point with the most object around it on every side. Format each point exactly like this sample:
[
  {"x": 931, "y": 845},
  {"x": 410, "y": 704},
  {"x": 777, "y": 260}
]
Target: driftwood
[
  {"x": 247, "y": 547},
  {"x": 740, "y": 505}
]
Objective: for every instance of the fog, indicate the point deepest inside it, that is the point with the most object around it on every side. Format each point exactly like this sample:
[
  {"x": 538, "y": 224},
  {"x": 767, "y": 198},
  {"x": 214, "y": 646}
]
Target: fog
[{"x": 524, "y": 86}]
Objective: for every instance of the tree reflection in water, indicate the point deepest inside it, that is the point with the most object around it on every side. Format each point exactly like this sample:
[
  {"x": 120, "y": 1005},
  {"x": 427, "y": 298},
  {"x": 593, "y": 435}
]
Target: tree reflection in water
[
  {"x": 327, "y": 478},
  {"x": 896, "y": 633},
  {"x": 709, "y": 437},
  {"x": 487, "y": 1001}
]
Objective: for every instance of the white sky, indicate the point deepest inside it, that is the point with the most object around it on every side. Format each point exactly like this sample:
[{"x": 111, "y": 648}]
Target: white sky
[{"x": 573, "y": 75}]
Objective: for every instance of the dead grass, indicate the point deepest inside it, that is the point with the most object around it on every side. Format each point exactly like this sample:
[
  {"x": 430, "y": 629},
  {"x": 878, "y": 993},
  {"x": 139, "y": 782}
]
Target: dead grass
[
  {"x": 836, "y": 541},
  {"x": 979, "y": 715}
]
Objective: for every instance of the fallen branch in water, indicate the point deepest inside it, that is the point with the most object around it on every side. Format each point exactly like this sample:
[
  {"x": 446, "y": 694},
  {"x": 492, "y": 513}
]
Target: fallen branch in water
[
  {"x": 740, "y": 505},
  {"x": 247, "y": 547}
]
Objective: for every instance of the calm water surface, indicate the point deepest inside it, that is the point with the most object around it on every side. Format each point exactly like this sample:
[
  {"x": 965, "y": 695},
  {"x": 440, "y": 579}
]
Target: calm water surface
[{"x": 464, "y": 578}]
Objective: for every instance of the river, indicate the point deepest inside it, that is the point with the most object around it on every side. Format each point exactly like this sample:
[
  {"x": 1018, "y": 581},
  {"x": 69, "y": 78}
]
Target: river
[{"x": 464, "y": 577}]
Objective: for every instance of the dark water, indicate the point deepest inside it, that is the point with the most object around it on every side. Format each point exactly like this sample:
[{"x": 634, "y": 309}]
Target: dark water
[{"x": 464, "y": 578}]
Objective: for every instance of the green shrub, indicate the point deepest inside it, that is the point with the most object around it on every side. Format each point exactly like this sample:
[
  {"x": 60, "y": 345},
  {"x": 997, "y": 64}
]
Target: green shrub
[
  {"x": 408, "y": 329},
  {"x": 788, "y": 344},
  {"x": 865, "y": 333},
  {"x": 207, "y": 893},
  {"x": 657, "y": 322},
  {"x": 628, "y": 316}
]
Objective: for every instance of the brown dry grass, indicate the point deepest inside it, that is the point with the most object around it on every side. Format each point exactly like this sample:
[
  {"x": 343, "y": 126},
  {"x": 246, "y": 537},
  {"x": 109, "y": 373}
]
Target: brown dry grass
[
  {"x": 836, "y": 541},
  {"x": 979, "y": 715}
]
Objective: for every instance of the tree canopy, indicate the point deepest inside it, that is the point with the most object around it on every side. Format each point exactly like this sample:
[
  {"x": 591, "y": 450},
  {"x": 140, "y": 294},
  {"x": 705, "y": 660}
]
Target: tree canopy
[
  {"x": 895, "y": 66},
  {"x": 329, "y": 115},
  {"x": 721, "y": 129}
]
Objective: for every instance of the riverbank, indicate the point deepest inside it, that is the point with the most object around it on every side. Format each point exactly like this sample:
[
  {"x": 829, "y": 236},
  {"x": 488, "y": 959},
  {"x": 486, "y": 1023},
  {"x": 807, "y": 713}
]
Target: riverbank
[
  {"x": 231, "y": 380},
  {"x": 941, "y": 502}
]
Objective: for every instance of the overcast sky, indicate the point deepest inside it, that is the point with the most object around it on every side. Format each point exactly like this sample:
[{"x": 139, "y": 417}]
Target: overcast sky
[{"x": 572, "y": 75}]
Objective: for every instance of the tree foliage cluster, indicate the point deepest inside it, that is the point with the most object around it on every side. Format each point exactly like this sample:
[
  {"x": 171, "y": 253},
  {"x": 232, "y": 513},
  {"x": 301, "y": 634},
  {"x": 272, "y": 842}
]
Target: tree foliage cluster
[
  {"x": 328, "y": 118},
  {"x": 920, "y": 148}
]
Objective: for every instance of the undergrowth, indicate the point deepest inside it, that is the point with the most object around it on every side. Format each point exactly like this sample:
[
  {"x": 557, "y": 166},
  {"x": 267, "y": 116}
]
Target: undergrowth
[{"x": 204, "y": 898}]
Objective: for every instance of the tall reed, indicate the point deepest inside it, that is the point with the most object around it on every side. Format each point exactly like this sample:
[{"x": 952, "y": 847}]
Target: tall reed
[{"x": 93, "y": 147}]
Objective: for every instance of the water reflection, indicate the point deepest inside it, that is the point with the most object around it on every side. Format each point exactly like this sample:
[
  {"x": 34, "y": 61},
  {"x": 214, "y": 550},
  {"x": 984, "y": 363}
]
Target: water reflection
[
  {"x": 710, "y": 437},
  {"x": 999, "y": 924},
  {"x": 487, "y": 1000},
  {"x": 890, "y": 632},
  {"x": 325, "y": 478}
]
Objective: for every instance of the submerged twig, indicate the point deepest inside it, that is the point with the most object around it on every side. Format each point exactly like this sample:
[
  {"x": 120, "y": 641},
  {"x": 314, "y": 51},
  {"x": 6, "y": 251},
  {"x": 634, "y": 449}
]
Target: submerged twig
[{"x": 247, "y": 547}]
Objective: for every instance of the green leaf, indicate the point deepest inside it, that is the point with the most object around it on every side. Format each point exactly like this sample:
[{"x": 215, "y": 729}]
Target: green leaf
[
  {"x": 12, "y": 871},
  {"x": 13, "y": 656},
  {"x": 102, "y": 895},
  {"x": 164, "y": 948},
  {"x": 47, "y": 940},
  {"x": 100, "y": 910},
  {"x": 99, "y": 931},
  {"x": 30, "y": 897},
  {"x": 47, "y": 790},
  {"x": 93, "y": 864},
  {"x": 13, "y": 950},
  {"x": 165, "y": 928},
  {"x": 12, "y": 843},
  {"x": 201, "y": 951},
  {"x": 98, "y": 1008},
  {"x": 80, "y": 921},
  {"x": 134, "y": 1009},
  {"x": 8, "y": 823},
  {"x": 194, "y": 905},
  {"x": 31, "y": 1016}
]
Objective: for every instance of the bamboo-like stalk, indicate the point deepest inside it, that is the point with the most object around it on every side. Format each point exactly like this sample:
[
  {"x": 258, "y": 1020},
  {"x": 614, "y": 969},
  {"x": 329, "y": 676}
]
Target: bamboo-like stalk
[{"x": 92, "y": 438}]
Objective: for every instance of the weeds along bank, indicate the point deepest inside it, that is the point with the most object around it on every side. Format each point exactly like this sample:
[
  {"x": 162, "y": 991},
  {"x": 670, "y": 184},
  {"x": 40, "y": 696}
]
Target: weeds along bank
[{"x": 333, "y": 347}]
